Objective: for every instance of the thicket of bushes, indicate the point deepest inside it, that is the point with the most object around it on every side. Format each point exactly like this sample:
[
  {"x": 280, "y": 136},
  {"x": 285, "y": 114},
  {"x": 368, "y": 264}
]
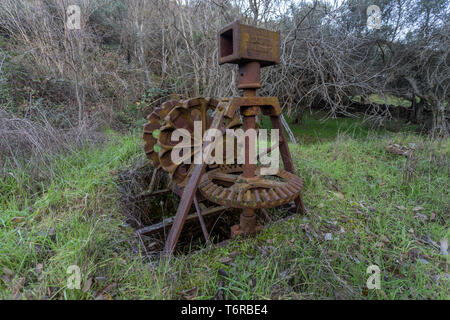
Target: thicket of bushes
[{"x": 129, "y": 55}]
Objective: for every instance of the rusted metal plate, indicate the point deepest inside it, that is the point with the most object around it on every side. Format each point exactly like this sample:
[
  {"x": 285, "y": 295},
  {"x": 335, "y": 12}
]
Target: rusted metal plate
[{"x": 240, "y": 43}]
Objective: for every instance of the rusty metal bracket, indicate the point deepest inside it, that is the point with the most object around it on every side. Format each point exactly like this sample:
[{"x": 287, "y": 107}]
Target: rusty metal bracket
[{"x": 269, "y": 105}]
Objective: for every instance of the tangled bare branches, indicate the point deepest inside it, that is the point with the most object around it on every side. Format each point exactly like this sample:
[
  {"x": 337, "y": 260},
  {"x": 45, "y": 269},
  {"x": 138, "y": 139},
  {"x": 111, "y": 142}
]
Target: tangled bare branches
[
  {"x": 329, "y": 55},
  {"x": 33, "y": 144}
]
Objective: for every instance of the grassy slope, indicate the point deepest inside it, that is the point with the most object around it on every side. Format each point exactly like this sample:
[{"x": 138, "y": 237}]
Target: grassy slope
[{"x": 354, "y": 190}]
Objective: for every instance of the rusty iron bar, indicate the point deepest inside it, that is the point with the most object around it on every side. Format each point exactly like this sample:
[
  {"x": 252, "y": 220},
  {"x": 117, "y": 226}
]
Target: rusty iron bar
[
  {"x": 191, "y": 187},
  {"x": 266, "y": 214},
  {"x": 249, "y": 168},
  {"x": 152, "y": 194},
  {"x": 270, "y": 149}
]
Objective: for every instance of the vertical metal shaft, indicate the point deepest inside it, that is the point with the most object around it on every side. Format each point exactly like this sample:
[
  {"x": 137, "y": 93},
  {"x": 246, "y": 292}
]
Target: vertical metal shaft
[
  {"x": 248, "y": 217},
  {"x": 249, "y": 168},
  {"x": 249, "y": 81}
]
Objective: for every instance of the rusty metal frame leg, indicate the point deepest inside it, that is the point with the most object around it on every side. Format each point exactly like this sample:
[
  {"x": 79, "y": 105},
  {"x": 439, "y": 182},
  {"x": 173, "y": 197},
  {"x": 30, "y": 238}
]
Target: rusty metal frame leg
[
  {"x": 190, "y": 190},
  {"x": 184, "y": 208},
  {"x": 287, "y": 158}
]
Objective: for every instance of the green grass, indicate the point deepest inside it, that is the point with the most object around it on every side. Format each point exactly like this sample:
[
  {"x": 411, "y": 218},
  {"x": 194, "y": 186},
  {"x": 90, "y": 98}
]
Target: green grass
[
  {"x": 354, "y": 190},
  {"x": 318, "y": 128}
]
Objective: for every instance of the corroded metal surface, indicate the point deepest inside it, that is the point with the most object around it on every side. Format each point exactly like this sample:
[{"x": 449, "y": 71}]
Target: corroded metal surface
[
  {"x": 269, "y": 105},
  {"x": 227, "y": 186},
  {"x": 152, "y": 129},
  {"x": 240, "y": 43},
  {"x": 173, "y": 115},
  {"x": 231, "y": 186}
]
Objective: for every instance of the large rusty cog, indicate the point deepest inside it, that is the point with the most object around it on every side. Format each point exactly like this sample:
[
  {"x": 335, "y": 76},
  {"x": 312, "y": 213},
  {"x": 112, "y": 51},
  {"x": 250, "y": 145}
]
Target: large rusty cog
[
  {"x": 226, "y": 186},
  {"x": 152, "y": 128},
  {"x": 175, "y": 115}
]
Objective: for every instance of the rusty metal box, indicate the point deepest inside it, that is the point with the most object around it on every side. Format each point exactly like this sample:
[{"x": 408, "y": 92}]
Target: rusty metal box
[{"x": 240, "y": 43}]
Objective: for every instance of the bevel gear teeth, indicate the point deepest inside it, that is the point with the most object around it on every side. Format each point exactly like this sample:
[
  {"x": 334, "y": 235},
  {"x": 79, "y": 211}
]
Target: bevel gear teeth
[{"x": 259, "y": 192}]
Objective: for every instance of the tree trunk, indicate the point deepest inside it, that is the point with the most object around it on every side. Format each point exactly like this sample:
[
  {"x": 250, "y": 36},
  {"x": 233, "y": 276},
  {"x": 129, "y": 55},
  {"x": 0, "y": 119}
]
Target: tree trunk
[
  {"x": 299, "y": 114},
  {"x": 412, "y": 112},
  {"x": 419, "y": 111},
  {"x": 299, "y": 117},
  {"x": 439, "y": 128}
]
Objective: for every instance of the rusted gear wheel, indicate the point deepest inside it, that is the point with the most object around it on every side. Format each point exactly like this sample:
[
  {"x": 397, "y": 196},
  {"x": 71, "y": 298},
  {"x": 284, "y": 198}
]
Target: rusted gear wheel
[
  {"x": 226, "y": 186},
  {"x": 152, "y": 129},
  {"x": 180, "y": 115}
]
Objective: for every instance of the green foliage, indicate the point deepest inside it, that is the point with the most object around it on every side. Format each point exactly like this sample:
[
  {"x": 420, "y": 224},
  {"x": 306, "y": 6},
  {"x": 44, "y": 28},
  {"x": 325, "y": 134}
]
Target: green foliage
[{"x": 317, "y": 127}]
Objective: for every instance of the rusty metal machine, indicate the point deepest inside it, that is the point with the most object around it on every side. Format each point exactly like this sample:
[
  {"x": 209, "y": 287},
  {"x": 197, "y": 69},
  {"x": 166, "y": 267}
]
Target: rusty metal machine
[{"x": 227, "y": 185}]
